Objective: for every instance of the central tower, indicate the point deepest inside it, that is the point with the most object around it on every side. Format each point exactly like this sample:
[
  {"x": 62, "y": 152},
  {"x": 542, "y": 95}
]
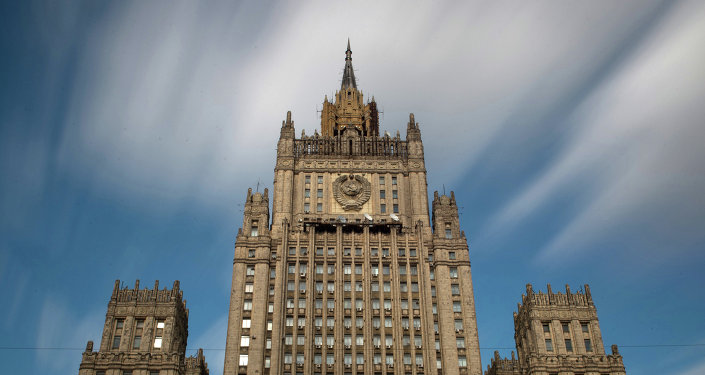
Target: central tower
[{"x": 351, "y": 275}]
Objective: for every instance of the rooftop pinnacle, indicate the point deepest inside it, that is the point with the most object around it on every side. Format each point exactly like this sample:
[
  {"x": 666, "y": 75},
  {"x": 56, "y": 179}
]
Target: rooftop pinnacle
[{"x": 348, "y": 74}]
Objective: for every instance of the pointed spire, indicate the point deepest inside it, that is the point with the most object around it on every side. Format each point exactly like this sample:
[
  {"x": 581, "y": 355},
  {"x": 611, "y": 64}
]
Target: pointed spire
[{"x": 348, "y": 73}]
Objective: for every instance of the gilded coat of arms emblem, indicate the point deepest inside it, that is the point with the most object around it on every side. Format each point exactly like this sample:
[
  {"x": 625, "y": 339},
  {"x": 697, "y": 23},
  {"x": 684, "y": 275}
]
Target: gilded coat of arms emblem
[{"x": 351, "y": 191}]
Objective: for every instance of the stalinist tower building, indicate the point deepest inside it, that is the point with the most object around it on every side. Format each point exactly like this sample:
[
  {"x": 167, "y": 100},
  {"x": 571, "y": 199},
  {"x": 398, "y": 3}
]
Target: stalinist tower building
[{"x": 350, "y": 273}]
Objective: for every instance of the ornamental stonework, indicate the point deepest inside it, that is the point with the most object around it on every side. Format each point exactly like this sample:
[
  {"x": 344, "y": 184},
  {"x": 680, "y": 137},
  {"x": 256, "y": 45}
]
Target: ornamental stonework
[{"x": 351, "y": 191}]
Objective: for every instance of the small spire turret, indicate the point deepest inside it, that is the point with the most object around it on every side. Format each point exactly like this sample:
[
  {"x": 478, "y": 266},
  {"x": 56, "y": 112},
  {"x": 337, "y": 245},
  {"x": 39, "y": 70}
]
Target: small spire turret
[{"x": 348, "y": 73}]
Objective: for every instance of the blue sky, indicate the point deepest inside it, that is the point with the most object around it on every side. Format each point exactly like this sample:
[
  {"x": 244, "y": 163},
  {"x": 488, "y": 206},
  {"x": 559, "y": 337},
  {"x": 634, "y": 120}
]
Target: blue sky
[{"x": 571, "y": 132}]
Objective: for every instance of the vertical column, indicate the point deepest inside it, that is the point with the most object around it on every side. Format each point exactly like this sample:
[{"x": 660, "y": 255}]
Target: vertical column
[
  {"x": 472, "y": 340},
  {"x": 232, "y": 342}
]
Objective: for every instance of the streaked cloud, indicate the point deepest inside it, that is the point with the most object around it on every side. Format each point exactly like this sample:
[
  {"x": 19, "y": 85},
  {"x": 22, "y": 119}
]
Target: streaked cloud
[{"x": 636, "y": 153}]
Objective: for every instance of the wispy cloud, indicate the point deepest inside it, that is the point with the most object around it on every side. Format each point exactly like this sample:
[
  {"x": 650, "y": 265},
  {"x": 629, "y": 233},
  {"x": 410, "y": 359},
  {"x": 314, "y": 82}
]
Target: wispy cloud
[
  {"x": 164, "y": 106},
  {"x": 636, "y": 154}
]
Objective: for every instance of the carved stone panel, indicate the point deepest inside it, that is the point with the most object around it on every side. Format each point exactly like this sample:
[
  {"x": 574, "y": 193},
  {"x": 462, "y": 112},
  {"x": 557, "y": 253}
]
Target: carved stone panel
[{"x": 351, "y": 191}]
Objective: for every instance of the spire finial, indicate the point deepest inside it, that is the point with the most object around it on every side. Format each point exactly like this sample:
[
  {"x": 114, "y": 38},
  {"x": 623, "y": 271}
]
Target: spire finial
[{"x": 348, "y": 73}]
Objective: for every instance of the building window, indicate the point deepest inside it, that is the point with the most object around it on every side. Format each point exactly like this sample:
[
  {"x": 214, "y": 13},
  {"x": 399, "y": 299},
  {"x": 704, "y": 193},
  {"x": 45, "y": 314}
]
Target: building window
[
  {"x": 319, "y": 193},
  {"x": 243, "y": 359},
  {"x": 395, "y": 208},
  {"x": 270, "y": 308},
  {"x": 251, "y": 253},
  {"x": 395, "y": 195},
  {"x": 159, "y": 332},
  {"x": 249, "y": 288},
  {"x": 381, "y": 180},
  {"x": 320, "y": 179},
  {"x": 117, "y": 334},
  {"x": 382, "y": 194},
  {"x": 588, "y": 345},
  {"x": 137, "y": 340},
  {"x": 307, "y": 179},
  {"x": 451, "y": 255},
  {"x": 458, "y": 325},
  {"x": 307, "y": 193},
  {"x": 246, "y": 323},
  {"x": 449, "y": 233},
  {"x": 307, "y": 207},
  {"x": 585, "y": 327},
  {"x": 568, "y": 345},
  {"x": 462, "y": 361},
  {"x": 566, "y": 328},
  {"x": 254, "y": 228},
  {"x": 549, "y": 345},
  {"x": 453, "y": 272},
  {"x": 546, "y": 328},
  {"x": 383, "y": 208},
  {"x": 394, "y": 180},
  {"x": 460, "y": 342},
  {"x": 250, "y": 271},
  {"x": 457, "y": 307},
  {"x": 412, "y": 252},
  {"x": 455, "y": 289},
  {"x": 319, "y": 207},
  {"x": 245, "y": 341},
  {"x": 247, "y": 305}
]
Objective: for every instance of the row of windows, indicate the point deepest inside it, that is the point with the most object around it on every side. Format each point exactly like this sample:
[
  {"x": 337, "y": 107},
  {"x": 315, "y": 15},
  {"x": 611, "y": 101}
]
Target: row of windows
[
  {"x": 359, "y": 304},
  {"x": 565, "y": 328},
  {"x": 118, "y": 334},
  {"x": 569, "y": 345},
  {"x": 348, "y": 269},
  {"x": 347, "y": 251},
  {"x": 307, "y": 179}
]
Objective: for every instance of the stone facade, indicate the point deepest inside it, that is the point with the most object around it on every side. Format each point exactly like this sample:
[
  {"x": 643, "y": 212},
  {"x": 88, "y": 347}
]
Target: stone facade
[
  {"x": 145, "y": 333},
  {"x": 559, "y": 334},
  {"x": 351, "y": 275}
]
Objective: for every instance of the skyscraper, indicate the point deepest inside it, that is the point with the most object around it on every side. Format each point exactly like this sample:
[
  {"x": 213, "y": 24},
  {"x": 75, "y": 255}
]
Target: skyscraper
[{"x": 351, "y": 275}]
